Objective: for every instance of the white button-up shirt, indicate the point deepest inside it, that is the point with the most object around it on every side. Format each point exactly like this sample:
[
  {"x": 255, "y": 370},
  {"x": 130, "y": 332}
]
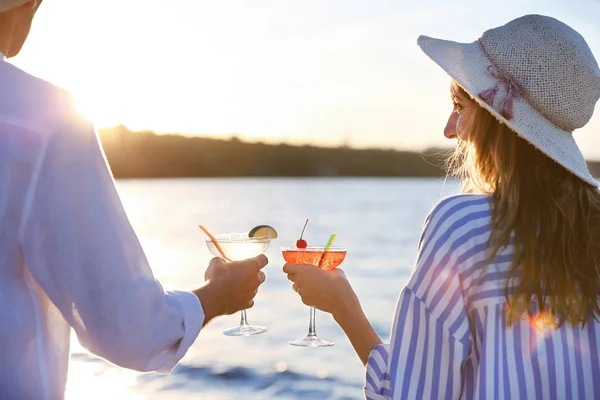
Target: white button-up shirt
[{"x": 69, "y": 257}]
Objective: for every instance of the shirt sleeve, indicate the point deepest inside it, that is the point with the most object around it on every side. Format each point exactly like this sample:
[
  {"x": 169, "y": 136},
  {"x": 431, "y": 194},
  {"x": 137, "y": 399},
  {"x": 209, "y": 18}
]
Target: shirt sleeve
[
  {"x": 377, "y": 383},
  {"x": 424, "y": 360},
  {"x": 430, "y": 336},
  {"x": 80, "y": 248}
]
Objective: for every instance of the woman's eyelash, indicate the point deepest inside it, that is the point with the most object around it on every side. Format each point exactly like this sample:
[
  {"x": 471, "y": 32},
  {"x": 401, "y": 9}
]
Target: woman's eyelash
[{"x": 457, "y": 106}]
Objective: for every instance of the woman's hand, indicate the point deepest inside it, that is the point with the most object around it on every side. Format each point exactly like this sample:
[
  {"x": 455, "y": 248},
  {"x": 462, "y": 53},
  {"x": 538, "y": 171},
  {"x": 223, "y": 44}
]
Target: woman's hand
[{"x": 329, "y": 291}]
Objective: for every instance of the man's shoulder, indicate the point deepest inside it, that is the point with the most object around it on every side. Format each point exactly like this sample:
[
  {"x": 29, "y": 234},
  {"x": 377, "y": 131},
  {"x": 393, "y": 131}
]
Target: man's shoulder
[
  {"x": 23, "y": 93},
  {"x": 34, "y": 103}
]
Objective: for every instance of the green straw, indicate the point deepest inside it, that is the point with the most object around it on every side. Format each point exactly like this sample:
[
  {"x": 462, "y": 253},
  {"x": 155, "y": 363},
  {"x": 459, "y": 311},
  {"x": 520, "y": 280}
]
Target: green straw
[{"x": 327, "y": 246}]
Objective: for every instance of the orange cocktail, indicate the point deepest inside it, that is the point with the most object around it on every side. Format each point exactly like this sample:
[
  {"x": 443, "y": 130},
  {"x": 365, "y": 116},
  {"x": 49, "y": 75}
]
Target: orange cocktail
[
  {"x": 326, "y": 260},
  {"x": 315, "y": 256}
]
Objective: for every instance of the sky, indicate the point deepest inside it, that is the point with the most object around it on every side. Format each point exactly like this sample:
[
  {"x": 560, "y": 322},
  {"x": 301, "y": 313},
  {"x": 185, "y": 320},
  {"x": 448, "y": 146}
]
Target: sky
[{"x": 323, "y": 72}]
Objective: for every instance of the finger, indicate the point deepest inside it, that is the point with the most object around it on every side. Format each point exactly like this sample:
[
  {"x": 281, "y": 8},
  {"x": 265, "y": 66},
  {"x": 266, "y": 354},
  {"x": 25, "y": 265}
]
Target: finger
[
  {"x": 292, "y": 269},
  {"x": 250, "y": 304},
  {"x": 207, "y": 273},
  {"x": 337, "y": 271},
  {"x": 297, "y": 289},
  {"x": 287, "y": 268},
  {"x": 261, "y": 261},
  {"x": 250, "y": 265},
  {"x": 216, "y": 261},
  {"x": 261, "y": 277}
]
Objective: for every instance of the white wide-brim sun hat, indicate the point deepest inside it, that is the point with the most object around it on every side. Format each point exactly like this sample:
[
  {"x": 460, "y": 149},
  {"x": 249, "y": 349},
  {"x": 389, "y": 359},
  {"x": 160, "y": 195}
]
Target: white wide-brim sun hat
[{"x": 536, "y": 75}]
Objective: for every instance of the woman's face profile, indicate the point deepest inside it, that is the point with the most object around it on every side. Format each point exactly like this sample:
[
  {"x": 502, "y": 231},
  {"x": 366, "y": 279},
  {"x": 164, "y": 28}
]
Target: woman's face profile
[{"x": 462, "y": 109}]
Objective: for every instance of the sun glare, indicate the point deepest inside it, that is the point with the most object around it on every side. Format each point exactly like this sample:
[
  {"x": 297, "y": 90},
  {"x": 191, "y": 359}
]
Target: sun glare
[
  {"x": 95, "y": 379},
  {"x": 86, "y": 107},
  {"x": 102, "y": 111}
]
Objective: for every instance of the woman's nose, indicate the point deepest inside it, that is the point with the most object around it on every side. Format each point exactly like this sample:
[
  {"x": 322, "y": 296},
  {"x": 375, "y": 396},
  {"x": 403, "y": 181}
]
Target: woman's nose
[{"x": 450, "y": 129}]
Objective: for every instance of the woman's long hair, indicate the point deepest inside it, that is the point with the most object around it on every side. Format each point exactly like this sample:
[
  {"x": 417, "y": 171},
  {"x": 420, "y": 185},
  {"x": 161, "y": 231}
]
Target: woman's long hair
[{"x": 553, "y": 216}]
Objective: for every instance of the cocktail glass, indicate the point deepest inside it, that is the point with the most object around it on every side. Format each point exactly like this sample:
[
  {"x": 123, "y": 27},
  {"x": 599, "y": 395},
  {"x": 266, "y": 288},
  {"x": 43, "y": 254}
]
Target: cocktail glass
[
  {"x": 238, "y": 246},
  {"x": 324, "y": 260}
]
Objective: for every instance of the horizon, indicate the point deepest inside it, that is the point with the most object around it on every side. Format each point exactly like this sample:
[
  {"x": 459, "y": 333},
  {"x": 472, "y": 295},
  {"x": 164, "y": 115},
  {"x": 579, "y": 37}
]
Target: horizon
[
  {"x": 106, "y": 132},
  {"x": 342, "y": 73}
]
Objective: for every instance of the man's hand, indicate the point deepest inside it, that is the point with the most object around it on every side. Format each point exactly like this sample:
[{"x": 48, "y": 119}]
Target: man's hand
[{"x": 230, "y": 287}]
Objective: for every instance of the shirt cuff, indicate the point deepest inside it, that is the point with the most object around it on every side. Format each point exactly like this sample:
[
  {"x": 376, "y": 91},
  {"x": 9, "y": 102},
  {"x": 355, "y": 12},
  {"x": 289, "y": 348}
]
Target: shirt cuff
[
  {"x": 188, "y": 304},
  {"x": 374, "y": 396},
  {"x": 377, "y": 382}
]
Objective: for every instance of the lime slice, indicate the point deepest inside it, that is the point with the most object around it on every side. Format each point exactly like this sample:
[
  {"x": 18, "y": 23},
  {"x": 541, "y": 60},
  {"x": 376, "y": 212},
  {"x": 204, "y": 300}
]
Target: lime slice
[{"x": 263, "y": 230}]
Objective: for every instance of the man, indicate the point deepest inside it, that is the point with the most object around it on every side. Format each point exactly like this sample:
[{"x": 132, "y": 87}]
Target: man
[{"x": 69, "y": 257}]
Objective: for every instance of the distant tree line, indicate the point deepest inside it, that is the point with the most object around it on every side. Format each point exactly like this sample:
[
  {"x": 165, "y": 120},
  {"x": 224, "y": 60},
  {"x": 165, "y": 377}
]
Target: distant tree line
[{"x": 148, "y": 155}]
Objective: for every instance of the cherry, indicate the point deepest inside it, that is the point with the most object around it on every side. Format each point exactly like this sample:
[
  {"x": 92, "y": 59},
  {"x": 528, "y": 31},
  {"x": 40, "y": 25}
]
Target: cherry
[{"x": 301, "y": 243}]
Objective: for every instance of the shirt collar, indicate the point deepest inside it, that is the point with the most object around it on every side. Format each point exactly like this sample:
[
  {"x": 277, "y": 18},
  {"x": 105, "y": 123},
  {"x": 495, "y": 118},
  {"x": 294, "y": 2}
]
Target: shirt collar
[{"x": 2, "y": 56}]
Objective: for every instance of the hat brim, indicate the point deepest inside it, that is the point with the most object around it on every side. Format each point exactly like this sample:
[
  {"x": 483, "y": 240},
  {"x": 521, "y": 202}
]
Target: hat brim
[{"x": 468, "y": 66}]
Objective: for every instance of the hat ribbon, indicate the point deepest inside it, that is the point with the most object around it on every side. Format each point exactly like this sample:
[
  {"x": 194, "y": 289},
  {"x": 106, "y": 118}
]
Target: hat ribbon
[{"x": 512, "y": 91}]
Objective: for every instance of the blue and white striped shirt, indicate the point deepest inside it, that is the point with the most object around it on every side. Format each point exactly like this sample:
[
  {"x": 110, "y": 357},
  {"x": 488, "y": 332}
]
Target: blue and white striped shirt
[{"x": 450, "y": 337}]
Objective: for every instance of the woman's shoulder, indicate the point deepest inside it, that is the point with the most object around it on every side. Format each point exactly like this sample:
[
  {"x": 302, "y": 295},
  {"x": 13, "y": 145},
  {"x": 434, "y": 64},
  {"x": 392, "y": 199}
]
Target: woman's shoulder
[
  {"x": 460, "y": 207},
  {"x": 451, "y": 241},
  {"x": 455, "y": 216},
  {"x": 462, "y": 199}
]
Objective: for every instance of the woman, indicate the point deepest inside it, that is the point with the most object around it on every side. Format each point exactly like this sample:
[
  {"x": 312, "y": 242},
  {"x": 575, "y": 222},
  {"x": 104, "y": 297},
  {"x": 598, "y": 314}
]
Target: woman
[{"x": 503, "y": 301}]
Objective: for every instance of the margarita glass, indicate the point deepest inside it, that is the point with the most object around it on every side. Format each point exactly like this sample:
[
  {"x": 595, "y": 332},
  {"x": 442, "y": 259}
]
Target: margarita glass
[
  {"x": 236, "y": 247},
  {"x": 326, "y": 261}
]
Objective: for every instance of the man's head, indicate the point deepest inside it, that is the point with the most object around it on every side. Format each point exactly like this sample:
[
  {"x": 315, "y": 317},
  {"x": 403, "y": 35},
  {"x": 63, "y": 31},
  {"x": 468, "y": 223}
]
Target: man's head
[{"x": 15, "y": 22}]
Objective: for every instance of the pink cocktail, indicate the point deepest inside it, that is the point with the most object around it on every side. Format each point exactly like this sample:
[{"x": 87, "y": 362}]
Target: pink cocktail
[
  {"x": 326, "y": 260},
  {"x": 314, "y": 256}
]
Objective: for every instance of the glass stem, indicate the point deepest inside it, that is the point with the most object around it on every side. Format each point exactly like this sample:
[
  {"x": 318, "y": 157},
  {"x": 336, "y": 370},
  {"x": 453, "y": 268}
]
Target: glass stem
[
  {"x": 312, "y": 330},
  {"x": 243, "y": 320}
]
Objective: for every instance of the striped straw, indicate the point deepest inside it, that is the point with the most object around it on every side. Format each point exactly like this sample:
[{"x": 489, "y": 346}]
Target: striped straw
[{"x": 327, "y": 246}]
